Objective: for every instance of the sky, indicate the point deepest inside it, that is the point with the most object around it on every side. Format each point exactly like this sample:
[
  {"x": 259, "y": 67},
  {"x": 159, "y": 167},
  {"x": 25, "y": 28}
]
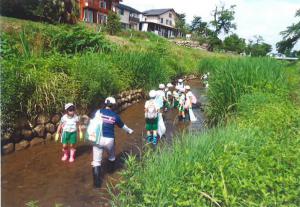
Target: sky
[{"x": 253, "y": 17}]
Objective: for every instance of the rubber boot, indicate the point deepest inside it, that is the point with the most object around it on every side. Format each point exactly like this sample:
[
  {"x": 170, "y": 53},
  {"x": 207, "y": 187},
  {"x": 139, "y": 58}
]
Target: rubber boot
[
  {"x": 149, "y": 139},
  {"x": 111, "y": 166},
  {"x": 96, "y": 176},
  {"x": 72, "y": 155},
  {"x": 65, "y": 155},
  {"x": 154, "y": 140}
]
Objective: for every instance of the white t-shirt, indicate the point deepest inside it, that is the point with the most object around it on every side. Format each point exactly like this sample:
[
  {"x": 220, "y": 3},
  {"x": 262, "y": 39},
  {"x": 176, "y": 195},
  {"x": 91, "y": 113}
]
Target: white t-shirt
[
  {"x": 160, "y": 98},
  {"x": 69, "y": 124},
  {"x": 189, "y": 94},
  {"x": 149, "y": 104}
]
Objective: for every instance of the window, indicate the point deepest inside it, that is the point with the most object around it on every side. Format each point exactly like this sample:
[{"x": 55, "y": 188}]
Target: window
[
  {"x": 88, "y": 15},
  {"x": 121, "y": 11},
  {"x": 161, "y": 20},
  {"x": 170, "y": 15},
  {"x": 171, "y": 22},
  {"x": 103, "y": 4},
  {"x": 167, "y": 22}
]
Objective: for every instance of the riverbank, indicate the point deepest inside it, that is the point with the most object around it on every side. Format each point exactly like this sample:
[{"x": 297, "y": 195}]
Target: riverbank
[{"x": 250, "y": 159}]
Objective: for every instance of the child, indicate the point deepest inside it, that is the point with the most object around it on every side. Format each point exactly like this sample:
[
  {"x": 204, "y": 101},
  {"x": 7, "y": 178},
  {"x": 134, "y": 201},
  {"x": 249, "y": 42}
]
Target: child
[
  {"x": 169, "y": 95},
  {"x": 110, "y": 119},
  {"x": 151, "y": 116},
  {"x": 182, "y": 103},
  {"x": 160, "y": 96},
  {"x": 180, "y": 84},
  {"x": 175, "y": 98},
  {"x": 69, "y": 125}
]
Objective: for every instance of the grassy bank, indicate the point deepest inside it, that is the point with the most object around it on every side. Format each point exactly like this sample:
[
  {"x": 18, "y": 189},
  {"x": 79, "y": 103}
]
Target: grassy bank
[
  {"x": 252, "y": 160},
  {"x": 45, "y": 66}
]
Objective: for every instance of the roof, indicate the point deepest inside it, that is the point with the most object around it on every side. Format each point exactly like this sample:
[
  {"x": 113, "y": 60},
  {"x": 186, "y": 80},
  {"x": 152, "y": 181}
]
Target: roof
[
  {"x": 156, "y": 12},
  {"x": 128, "y": 8}
]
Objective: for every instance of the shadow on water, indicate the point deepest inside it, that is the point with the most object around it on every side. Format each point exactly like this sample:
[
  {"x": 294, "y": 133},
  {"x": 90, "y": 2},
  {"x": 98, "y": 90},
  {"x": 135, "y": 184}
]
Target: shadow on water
[{"x": 38, "y": 174}]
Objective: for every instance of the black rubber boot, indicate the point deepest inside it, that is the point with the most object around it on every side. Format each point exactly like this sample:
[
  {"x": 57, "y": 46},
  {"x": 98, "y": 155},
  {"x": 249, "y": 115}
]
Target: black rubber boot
[
  {"x": 111, "y": 166},
  {"x": 96, "y": 176}
]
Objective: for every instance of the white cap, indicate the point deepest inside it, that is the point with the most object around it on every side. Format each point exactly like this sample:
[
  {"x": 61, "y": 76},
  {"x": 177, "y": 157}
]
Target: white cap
[
  {"x": 182, "y": 89},
  {"x": 161, "y": 86},
  {"x": 68, "y": 105},
  {"x": 169, "y": 85},
  {"x": 180, "y": 80},
  {"x": 111, "y": 100},
  {"x": 187, "y": 87},
  {"x": 175, "y": 92},
  {"x": 152, "y": 94}
]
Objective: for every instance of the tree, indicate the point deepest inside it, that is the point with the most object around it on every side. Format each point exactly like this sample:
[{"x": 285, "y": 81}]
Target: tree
[
  {"x": 223, "y": 19},
  {"x": 290, "y": 37},
  {"x": 180, "y": 24},
  {"x": 57, "y": 11},
  {"x": 258, "y": 48},
  {"x": 113, "y": 23},
  {"x": 23, "y": 9},
  {"x": 200, "y": 27},
  {"x": 54, "y": 11},
  {"x": 234, "y": 44}
]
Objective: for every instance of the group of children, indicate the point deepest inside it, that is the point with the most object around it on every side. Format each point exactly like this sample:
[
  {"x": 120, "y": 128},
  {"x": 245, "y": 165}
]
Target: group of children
[{"x": 165, "y": 98}]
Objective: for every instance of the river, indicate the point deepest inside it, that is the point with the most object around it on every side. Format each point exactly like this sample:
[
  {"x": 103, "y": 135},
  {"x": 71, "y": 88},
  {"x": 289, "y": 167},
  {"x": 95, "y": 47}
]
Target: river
[{"x": 38, "y": 174}]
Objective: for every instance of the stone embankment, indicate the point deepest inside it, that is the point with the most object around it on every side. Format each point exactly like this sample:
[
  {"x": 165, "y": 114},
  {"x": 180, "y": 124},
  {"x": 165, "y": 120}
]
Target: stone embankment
[
  {"x": 43, "y": 128},
  {"x": 190, "y": 44}
]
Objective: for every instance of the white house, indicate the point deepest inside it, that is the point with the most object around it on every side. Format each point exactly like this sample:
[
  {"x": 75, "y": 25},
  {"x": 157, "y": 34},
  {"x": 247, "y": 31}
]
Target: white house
[
  {"x": 129, "y": 17},
  {"x": 159, "y": 21}
]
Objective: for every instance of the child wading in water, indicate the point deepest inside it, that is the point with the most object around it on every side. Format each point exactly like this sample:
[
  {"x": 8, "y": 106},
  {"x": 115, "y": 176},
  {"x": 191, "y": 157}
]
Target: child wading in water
[
  {"x": 151, "y": 116},
  {"x": 69, "y": 125}
]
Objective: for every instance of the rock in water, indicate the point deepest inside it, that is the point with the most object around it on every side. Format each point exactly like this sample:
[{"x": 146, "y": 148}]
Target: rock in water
[
  {"x": 8, "y": 148},
  {"x": 22, "y": 145},
  {"x": 36, "y": 141}
]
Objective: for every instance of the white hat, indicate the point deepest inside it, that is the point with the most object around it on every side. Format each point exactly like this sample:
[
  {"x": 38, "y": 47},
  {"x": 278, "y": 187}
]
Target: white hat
[
  {"x": 180, "y": 80},
  {"x": 182, "y": 89},
  {"x": 187, "y": 87},
  {"x": 68, "y": 105},
  {"x": 110, "y": 100},
  {"x": 161, "y": 86},
  {"x": 152, "y": 94},
  {"x": 169, "y": 85}
]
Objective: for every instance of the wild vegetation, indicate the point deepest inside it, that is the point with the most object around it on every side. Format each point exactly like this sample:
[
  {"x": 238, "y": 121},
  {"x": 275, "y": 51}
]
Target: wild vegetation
[
  {"x": 249, "y": 159},
  {"x": 45, "y": 66}
]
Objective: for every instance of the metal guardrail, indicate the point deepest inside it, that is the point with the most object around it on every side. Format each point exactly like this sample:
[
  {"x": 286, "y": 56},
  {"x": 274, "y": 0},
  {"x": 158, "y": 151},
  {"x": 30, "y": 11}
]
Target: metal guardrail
[{"x": 287, "y": 58}]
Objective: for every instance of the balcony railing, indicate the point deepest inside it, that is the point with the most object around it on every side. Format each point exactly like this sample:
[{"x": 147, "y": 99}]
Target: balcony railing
[{"x": 134, "y": 19}]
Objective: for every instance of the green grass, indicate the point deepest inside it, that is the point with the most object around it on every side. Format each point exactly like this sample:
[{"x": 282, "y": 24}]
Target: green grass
[
  {"x": 46, "y": 65},
  {"x": 231, "y": 78},
  {"x": 253, "y": 160}
]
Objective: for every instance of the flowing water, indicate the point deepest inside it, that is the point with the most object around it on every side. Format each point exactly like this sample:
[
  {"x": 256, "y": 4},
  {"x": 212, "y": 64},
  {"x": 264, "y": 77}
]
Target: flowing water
[{"x": 37, "y": 174}]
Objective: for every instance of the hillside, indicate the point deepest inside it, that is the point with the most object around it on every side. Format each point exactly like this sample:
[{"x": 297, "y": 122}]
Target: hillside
[{"x": 45, "y": 66}]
